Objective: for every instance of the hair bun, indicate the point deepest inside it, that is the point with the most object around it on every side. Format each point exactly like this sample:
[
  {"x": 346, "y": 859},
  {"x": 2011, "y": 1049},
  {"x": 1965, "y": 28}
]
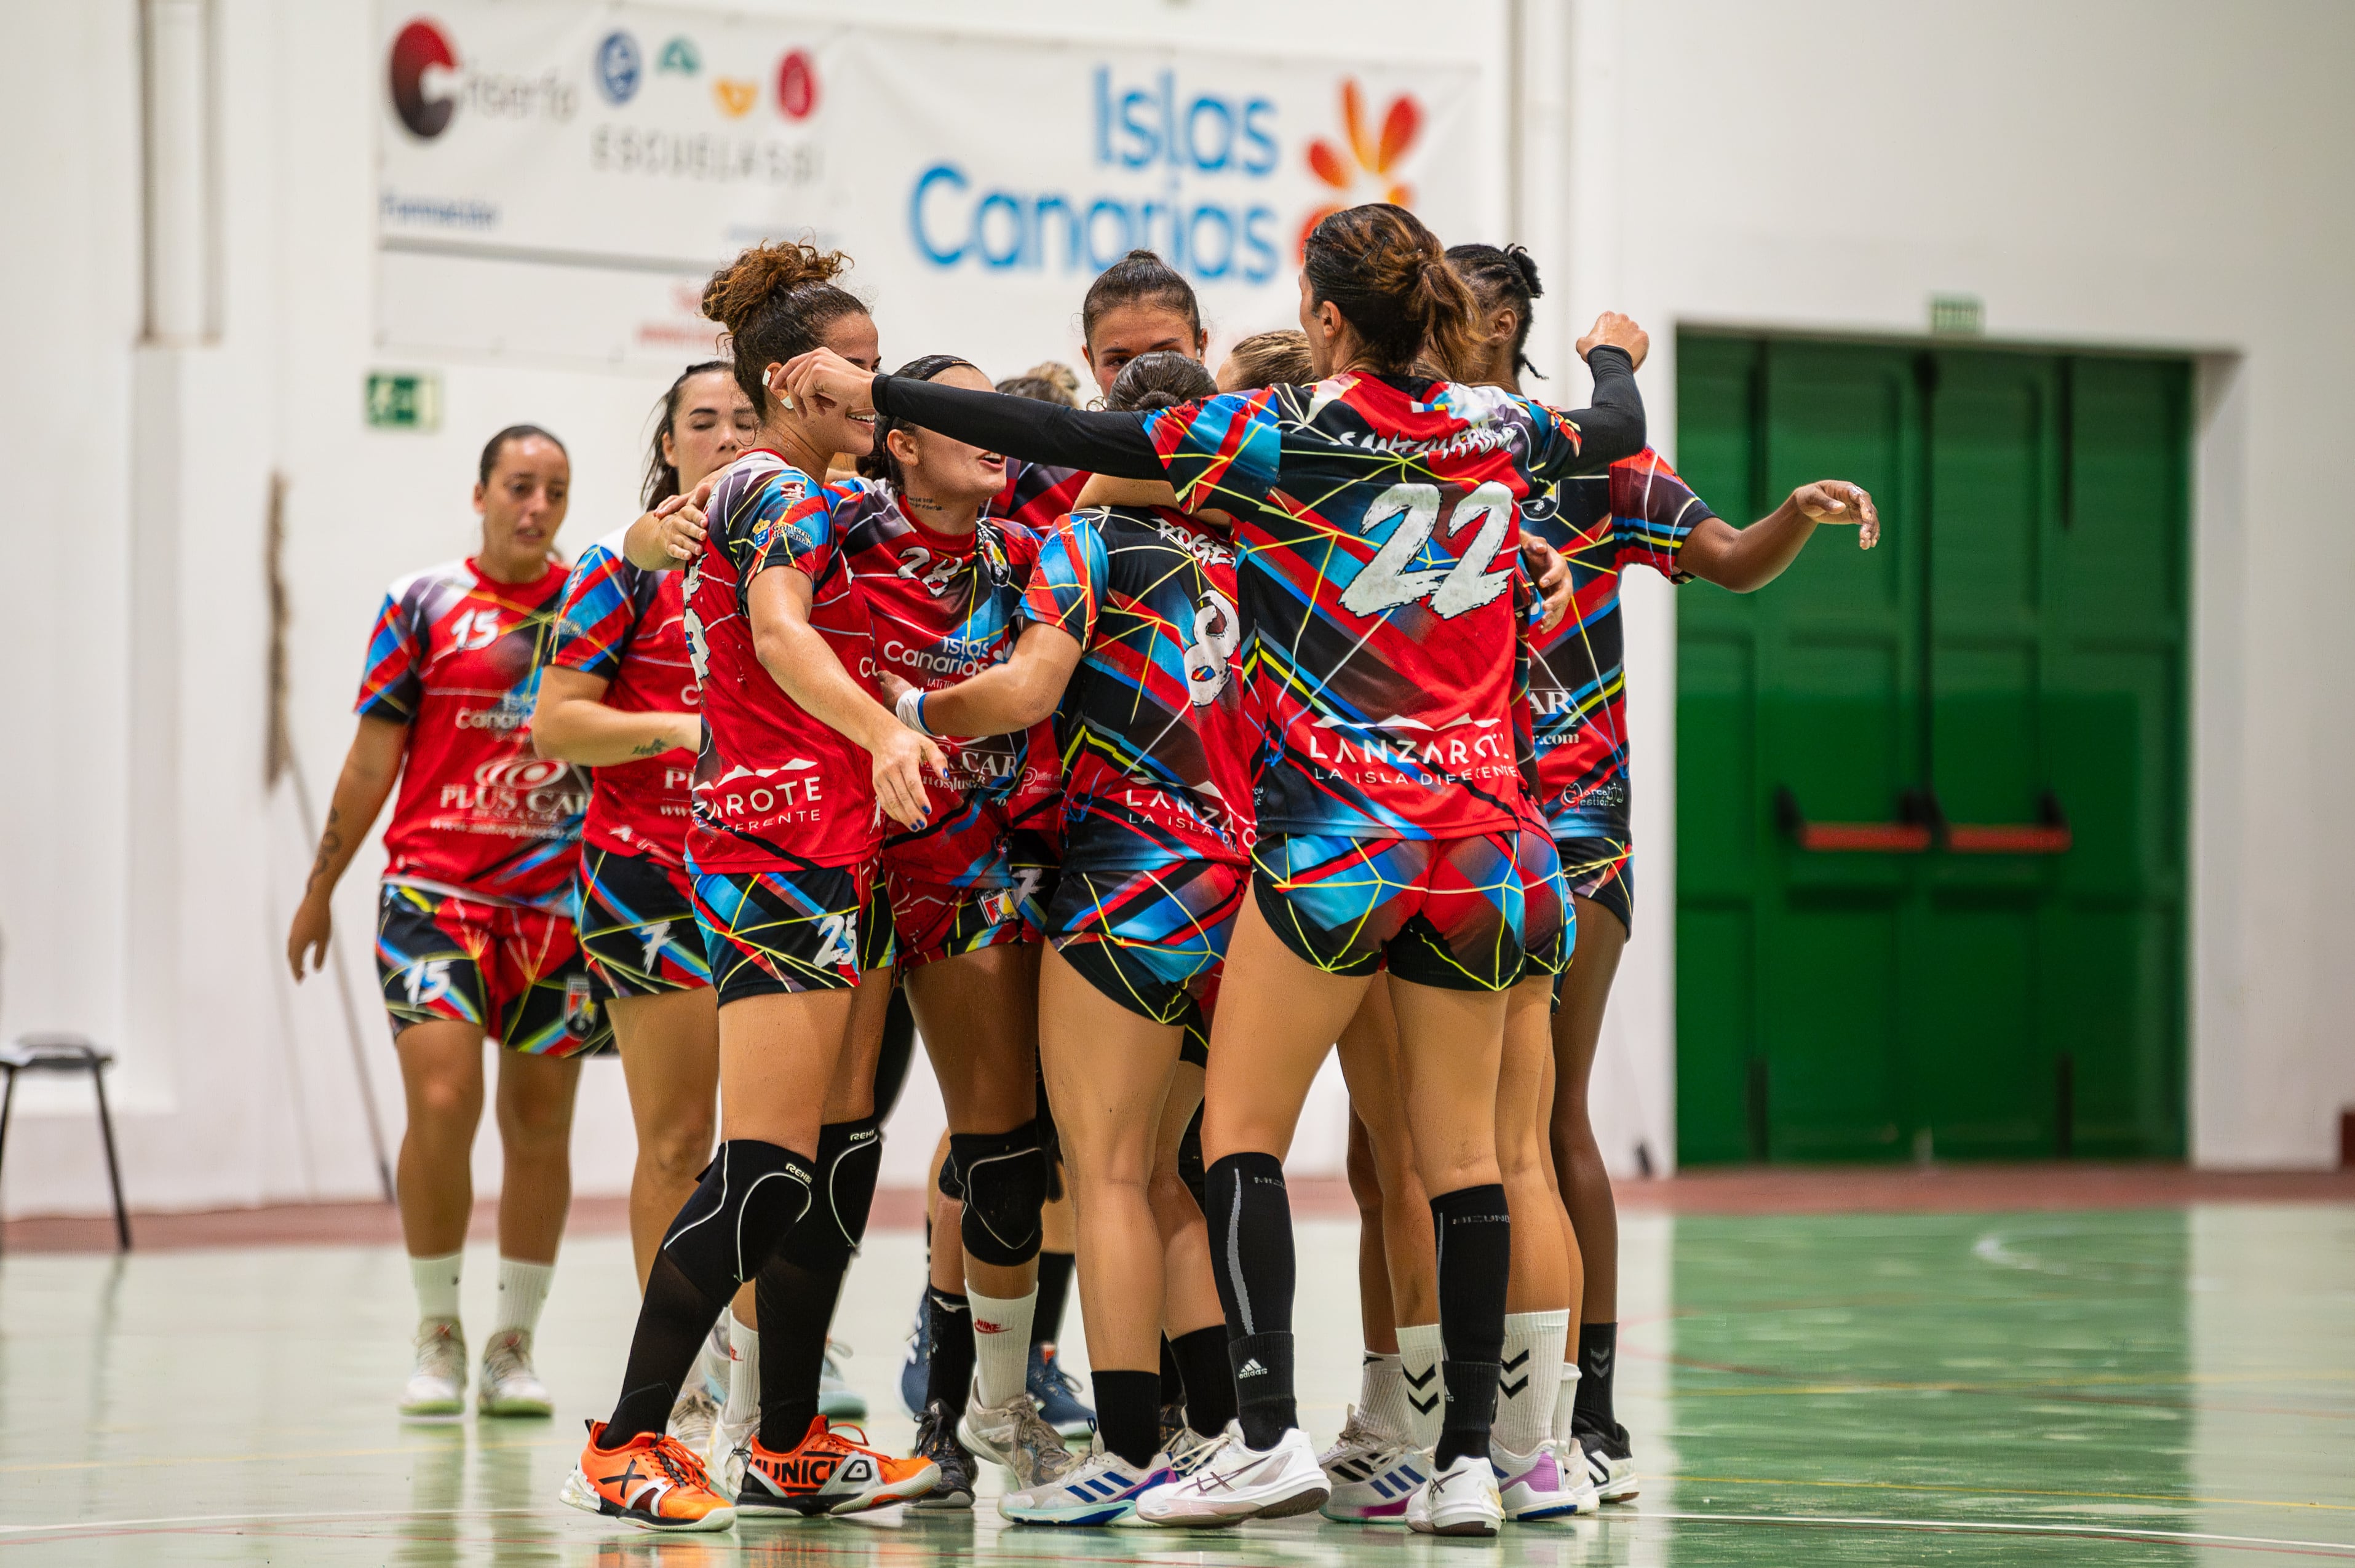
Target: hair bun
[
  {"x": 763, "y": 273},
  {"x": 1527, "y": 266}
]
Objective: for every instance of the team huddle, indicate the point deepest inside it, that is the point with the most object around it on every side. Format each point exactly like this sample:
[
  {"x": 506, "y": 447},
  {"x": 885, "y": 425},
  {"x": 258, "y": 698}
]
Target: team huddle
[{"x": 1133, "y": 757}]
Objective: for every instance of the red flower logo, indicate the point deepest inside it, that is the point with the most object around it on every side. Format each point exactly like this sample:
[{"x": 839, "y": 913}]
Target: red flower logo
[{"x": 1367, "y": 156}]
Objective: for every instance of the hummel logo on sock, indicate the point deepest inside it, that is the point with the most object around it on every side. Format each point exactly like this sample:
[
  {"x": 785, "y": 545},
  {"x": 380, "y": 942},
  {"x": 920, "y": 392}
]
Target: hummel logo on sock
[
  {"x": 1252, "y": 1369},
  {"x": 1423, "y": 1381},
  {"x": 1515, "y": 1363}
]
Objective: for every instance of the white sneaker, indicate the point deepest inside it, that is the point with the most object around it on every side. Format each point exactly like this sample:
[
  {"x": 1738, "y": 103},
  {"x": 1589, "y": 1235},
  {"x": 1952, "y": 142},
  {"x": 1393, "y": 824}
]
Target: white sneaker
[
  {"x": 1547, "y": 1484},
  {"x": 1014, "y": 1434},
  {"x": 1611, "y": 1463},
  {"x": 1459, "y": 1500},
  {"x": 723, "y": 1450},
  {"x": 437, "y": 1384},
  {"x": 1102, "y": 1488},
  {"x": 1373, "y": 1474},
  {"x": 509, "y": 1386},
  {"x": 837, "y": 1400},
  {"x": 1236, "y": 1482},
  {"x": 693, "y": 1418}
]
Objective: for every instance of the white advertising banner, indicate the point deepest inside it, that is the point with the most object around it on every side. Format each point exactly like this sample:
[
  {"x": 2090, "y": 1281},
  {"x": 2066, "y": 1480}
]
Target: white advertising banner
[{"x": 557, "y": 180}]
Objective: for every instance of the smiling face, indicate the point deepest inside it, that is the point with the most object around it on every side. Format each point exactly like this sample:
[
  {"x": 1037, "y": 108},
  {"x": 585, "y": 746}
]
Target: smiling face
[
  {"x": 1125, "y": 332},
  {"x": 714, "y": 421},
  {"x": 832, "y": 429},
  {"x": 950, "y": 472},
  {"x": 522, "y": 505}
]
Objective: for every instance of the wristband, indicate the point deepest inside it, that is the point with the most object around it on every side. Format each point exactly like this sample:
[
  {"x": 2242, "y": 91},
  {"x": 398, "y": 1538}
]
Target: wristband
[{"x": 911, "y": 710}]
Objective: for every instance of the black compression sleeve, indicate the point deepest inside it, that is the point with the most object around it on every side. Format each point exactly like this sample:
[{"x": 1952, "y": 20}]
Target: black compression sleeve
[
  {"x": 1024, "y": 428},
  {"x": 1613, "y": 428}
]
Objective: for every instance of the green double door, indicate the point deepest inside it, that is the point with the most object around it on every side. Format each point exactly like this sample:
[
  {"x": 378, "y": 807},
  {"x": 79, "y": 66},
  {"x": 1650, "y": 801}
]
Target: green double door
[{"x": 1931, "y": 798}]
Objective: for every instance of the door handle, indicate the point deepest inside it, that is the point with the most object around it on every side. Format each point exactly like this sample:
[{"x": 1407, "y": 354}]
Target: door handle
[
  {"x": 1908, "y": 835},
  {"x": 2049, "y": 834}
]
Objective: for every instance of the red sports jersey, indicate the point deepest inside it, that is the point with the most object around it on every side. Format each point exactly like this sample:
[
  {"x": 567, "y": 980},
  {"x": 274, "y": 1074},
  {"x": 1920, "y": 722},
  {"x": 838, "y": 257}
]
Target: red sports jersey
[
  {"x": 775, "y": 787},
  {"x": 456, "y": 657},
  {"x": 1039, "y": 496},
  {"x": 1375, "y": 521},
  {"x": 629, "y": 627},
  {"x": 943, "y": 607}
]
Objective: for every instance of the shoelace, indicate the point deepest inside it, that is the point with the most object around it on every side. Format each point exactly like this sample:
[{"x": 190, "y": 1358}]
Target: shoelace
[
  {"x": 682, "y": 1466},
  {"x": 505, "y": 1357}
]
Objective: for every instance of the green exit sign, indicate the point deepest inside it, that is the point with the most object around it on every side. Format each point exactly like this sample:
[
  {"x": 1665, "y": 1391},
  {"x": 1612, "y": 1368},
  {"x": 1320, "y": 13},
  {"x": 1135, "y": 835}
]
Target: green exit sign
[
  {"x": 1957, "y": 315},
  {"x": 404, "y": 400}
]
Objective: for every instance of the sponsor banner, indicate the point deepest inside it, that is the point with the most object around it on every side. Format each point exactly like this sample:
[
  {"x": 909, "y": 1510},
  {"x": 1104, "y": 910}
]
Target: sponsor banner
[{"x": 556, "y": 181}]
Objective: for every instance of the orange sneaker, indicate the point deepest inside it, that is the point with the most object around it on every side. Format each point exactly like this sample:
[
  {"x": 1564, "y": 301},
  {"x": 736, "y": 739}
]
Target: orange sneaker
[
  {"x": 652, "y": 1480},
  {"x": 828, "y": 1473}
]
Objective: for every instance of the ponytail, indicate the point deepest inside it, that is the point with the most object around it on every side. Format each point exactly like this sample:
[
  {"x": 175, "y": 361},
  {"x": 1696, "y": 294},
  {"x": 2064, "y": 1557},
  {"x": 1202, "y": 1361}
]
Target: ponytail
[{"x": 1389, "y": 277}]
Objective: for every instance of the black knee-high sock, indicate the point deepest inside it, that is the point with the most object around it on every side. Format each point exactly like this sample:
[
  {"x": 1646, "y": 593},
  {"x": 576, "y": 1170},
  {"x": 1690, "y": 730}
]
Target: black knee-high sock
[
  {"x": 1128, "y": 1414},
  {"x": 949, "y": 1378},
  {"x": 1210, "y": 1379},
  {"x": 1598, "y": 1359},
  {"x": 1054, "y": 1290},
  {"x": 1250, "y": 1248},
  {"x": 796, "y": 1304},
  {"x": 1475, "y": 1235},
  {"x": 748, "y": 1198},
  {"x": 1173, "y": 1376}
]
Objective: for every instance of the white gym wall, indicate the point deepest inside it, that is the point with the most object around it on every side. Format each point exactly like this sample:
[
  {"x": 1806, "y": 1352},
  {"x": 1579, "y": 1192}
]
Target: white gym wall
[{"x": 2132, "y": 174}]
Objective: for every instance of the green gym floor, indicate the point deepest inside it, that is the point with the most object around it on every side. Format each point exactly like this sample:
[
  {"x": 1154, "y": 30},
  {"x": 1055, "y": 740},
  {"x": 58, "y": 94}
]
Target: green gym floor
[{"x": 2169, "y": 1384}]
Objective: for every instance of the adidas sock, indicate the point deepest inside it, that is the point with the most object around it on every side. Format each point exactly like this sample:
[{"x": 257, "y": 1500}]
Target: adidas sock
[
  {"x": 1128, "y": 1414},
  {"x": 1251, "y": 1241},
  {"x": 1054, "y": 1292},
  {"x": 1530, "y": 1377},
  {"x": 1209, "y": 1378},
  {"x": 949, "y": 1378},
  {"x": 1598, "y": 1359},
  {"x": 1565, "y": 1403},
  {"x": 743, "y": 1406},
  {"x": 1381, "y": 1396},
  {"x": 522, "y": 1291},
  {"x": 436, "y": 1280},
  {"x": 1474, "y": 1236},
  {"x": 1001, "y": 1344},
  {"x": 1419, "y": 1358}
]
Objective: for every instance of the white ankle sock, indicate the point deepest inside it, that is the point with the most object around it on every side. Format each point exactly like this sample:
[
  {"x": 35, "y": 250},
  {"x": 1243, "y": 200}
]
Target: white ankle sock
[
  {"x": 1526, "y": 1392},
  {"x": 1420, "y": 1353},
  {"x": 522, "y": 1291},
  {"x": 1565, "y": 1401},
  {"x": 436, "y": 1280},
  {"x": 1381, "y": 1396},
  {"x": 743, "y": 1405},
  {"x": 1001, "y": 1343}
]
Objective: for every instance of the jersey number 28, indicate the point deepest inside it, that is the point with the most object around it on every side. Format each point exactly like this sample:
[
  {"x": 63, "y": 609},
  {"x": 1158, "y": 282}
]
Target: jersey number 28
[{"x": 1390, "y": 580}]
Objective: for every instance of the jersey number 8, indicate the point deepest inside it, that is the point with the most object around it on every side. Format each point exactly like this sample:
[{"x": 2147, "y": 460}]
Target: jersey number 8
[
  {"x": 1218, "y": 631},
  {"x": 1385, "y": 583}
]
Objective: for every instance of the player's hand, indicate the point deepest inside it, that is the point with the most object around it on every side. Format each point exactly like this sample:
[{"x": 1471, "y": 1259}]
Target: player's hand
[
  {"x": 823, "y": 379},
  {"x": 893, "y": 688},
  {"x": 1552, "y": 573},
  {"x": 684, "y": 732},
  {"x": 315, "y": 922},
  {"x": 682, "y": 532},
  {"x": 1837, "y": 501},
  {"x": 901, "y": 758},
  {"x": 1611, "y": 330}
]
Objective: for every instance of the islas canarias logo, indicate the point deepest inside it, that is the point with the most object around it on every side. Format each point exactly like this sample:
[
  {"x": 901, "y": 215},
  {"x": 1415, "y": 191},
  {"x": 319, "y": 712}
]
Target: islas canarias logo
[
  {"x": 1364, "y": 168},
  {"x": 418, "y": 45}
]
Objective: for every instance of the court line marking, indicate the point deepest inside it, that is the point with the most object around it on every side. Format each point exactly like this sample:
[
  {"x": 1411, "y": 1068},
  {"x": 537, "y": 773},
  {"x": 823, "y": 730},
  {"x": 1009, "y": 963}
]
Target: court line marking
[
  {"x": 149, "y": 1461},
  {"x": 2008, "y": 1492},
  {"x": 202, "y": 1519},
  {"x": 1998, "y": 1527}
]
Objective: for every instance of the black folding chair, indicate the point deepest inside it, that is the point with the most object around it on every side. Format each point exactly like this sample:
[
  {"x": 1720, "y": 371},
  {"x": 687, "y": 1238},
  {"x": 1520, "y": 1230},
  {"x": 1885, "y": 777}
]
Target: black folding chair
[{"x": 67, "y": 1053}]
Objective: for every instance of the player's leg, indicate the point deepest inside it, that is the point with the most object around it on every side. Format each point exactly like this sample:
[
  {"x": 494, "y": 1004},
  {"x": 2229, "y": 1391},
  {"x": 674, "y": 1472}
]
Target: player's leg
[
  {"x": 442, "y": 1082},
  {"x": 1193, "y": 1324}
]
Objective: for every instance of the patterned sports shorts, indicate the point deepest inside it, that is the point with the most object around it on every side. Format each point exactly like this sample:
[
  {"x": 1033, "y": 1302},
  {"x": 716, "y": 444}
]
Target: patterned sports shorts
[
  {"x": 770, "y": 932},
  {"x": 931, "y": 922},
  {"x": 1602, "y": 869},
  {"x": 515, "y": 973},
  {"x": 1549, "y": 926},
  {"x": 638, "y": 926},
  {"x": 1150, "y": 940},
  {"x": 1440, "y": 912}
]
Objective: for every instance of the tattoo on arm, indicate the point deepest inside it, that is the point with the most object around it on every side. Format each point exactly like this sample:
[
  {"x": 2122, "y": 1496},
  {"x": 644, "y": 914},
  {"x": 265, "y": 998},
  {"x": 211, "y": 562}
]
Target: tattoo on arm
[
  {"x": 331, "y": 843},
  {"x": 650, "y": 749}
]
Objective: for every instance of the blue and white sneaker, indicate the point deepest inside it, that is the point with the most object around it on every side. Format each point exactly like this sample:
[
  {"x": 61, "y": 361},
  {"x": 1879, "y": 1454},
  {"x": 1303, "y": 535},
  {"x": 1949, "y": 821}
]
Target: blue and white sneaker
[
  {"x": 916, "y": 1372},
  {"x": 1102, "y": 1490},
  {"x": 1058, "y": 1393},
  {"x": 1373, "y": 1474}
]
